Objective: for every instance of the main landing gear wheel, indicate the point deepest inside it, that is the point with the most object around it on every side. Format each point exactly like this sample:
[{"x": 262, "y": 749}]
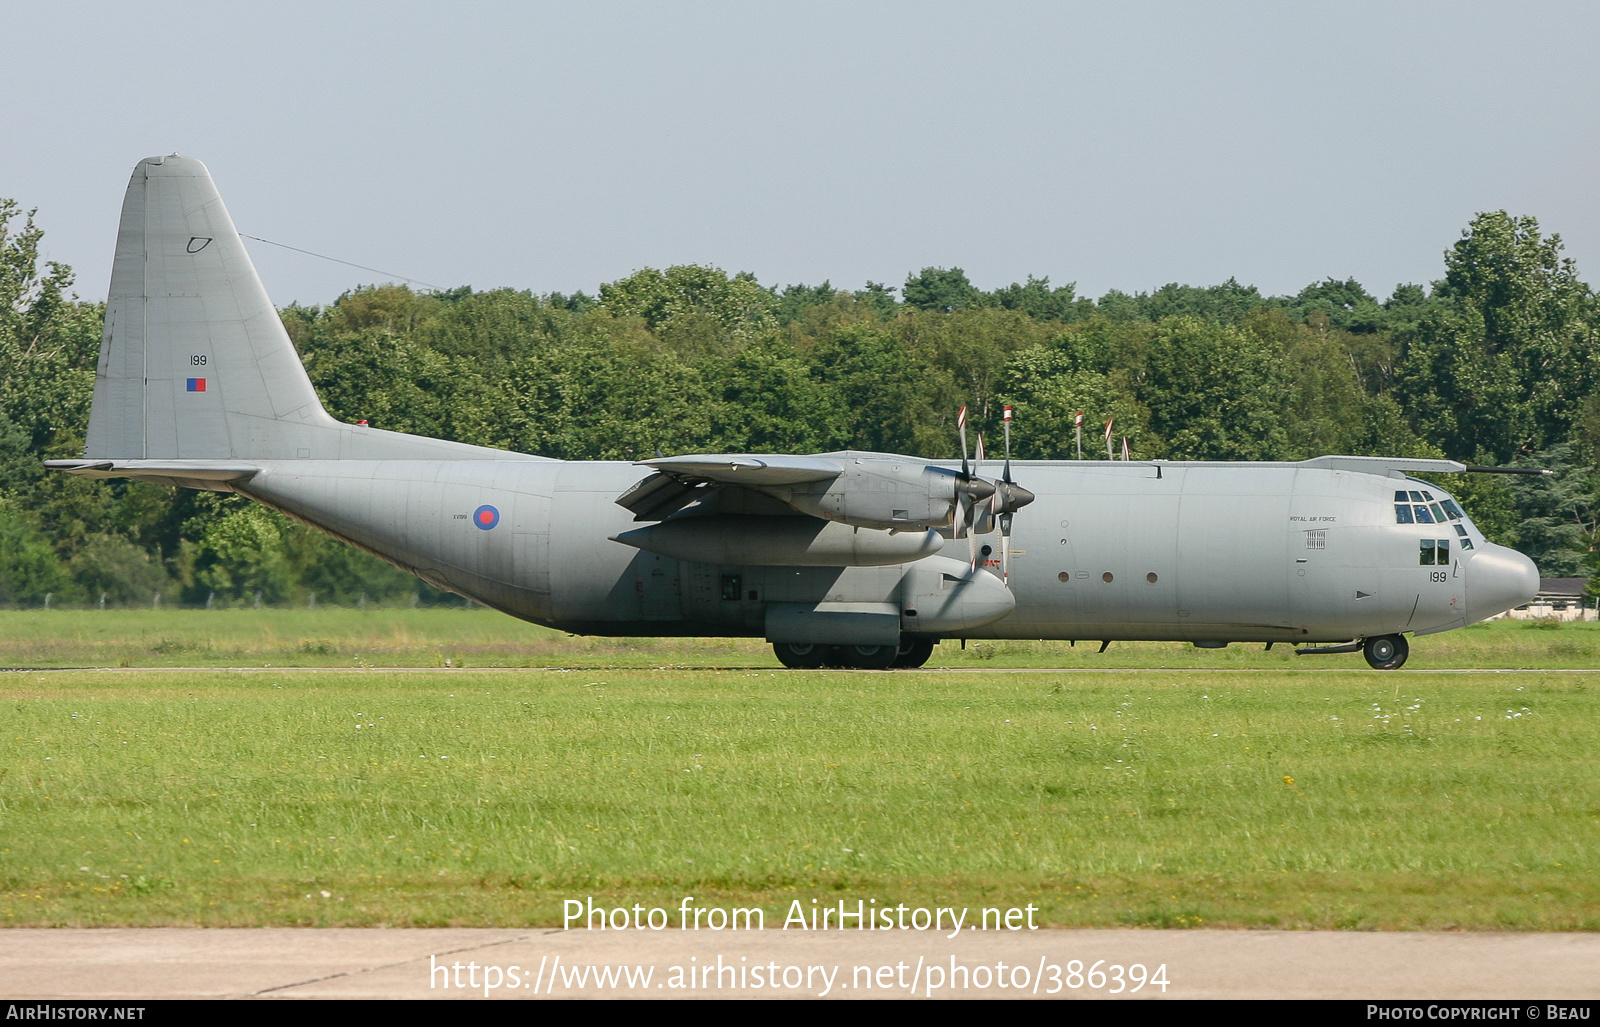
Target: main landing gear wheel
[
  {"x": 869, "y": 657},
  {"x": 800, "y": 656},
  {"x": 1386, "y": 652},
  {"x": 913, "y": 652}
]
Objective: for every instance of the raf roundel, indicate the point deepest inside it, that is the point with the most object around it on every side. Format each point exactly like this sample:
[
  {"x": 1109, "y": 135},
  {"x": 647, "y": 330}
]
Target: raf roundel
[{"x": 486, "y": 517}]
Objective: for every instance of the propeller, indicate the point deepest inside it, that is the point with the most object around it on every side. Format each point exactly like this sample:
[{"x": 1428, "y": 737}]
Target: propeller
[
  {"x": 1008, "y": 498},
  {"x": 1005, "y": 497},
  {"x": 970, "y": 489},
  {"x": 972, "y": 533}
]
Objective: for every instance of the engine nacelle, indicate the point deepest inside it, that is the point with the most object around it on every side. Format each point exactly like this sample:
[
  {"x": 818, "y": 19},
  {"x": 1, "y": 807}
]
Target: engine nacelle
[
  {"x": 878, "y": 494},
  {"x": 756, "y": 541},
  {"x": 948, "y": 597}
]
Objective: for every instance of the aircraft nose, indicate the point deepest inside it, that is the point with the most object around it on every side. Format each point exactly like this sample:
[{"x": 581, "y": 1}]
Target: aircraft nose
[{"x": 1499, "y": 579}]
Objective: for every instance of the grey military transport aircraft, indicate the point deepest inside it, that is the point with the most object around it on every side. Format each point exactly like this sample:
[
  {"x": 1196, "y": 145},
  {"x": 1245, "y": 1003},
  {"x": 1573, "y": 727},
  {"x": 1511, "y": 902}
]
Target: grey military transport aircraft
[{"x": 837, "y": 559}]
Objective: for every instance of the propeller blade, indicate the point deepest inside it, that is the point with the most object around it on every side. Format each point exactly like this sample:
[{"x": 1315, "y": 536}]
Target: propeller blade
[
  {"x": 1005, "y": 550},
  {"x": 958, "y": 525},
  {"x": 1007, "y": 475},
  {"x": 977, "y": 463},
  {"x": 972, "y": 546},
  {"x": 961, "y": 423}
]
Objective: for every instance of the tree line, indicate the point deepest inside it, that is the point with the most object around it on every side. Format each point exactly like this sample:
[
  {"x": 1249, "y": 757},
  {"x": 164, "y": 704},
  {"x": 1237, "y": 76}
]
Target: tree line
[{"x": 1494, "y": 363}]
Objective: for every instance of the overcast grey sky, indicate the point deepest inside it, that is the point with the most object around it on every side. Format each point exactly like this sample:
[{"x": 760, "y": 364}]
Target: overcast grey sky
[{"x": 556, "y": 146}]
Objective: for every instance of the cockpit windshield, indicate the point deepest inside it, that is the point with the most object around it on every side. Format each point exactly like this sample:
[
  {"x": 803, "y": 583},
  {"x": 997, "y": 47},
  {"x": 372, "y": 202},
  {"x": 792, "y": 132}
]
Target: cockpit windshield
[{"x": 1420, "y": 507}]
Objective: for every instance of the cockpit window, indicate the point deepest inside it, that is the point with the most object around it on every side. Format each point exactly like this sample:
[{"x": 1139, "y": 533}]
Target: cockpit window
[
  {"x": 1421, "y": 508},
  {"x": 1434, "y": 552}
]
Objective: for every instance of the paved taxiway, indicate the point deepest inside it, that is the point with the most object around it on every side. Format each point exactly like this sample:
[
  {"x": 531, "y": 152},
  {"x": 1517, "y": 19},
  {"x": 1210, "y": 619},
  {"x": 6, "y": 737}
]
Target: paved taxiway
[{"x": 376, "y": 963}]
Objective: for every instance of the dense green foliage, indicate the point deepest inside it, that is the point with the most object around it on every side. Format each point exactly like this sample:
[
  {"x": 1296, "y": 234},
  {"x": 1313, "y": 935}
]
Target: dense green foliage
[{"x": 1494, "y": 363}]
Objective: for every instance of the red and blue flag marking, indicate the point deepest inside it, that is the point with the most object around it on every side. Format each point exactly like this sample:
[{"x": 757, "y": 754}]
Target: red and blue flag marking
[
  {"x": 485, "y": 517},
  {"x": 196, "y": 384}
]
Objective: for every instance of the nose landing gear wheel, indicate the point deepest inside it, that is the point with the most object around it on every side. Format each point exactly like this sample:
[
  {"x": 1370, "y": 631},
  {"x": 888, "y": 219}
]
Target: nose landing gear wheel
[
  {"x": 800, "y": 656},
  {"x": 1386, "y": 652}
]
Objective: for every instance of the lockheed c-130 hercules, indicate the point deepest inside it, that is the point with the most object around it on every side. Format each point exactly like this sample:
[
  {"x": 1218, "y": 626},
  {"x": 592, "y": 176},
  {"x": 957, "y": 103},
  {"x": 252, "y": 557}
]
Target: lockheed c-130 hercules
[{"x": 839, "y": 559}]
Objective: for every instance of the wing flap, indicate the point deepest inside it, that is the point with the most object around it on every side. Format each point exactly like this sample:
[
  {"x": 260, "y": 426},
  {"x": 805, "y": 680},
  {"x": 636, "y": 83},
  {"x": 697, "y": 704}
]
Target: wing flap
[{"x": 658, "y": 496}]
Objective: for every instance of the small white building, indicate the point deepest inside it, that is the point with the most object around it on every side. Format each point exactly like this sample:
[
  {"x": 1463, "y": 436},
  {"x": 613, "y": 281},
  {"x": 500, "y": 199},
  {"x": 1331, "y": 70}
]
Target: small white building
[{"x": 1558, "y": 599}]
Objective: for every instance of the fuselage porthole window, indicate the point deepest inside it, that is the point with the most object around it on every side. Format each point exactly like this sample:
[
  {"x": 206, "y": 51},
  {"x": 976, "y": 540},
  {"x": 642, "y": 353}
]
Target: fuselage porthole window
[{"x": 1402, "y": 514}]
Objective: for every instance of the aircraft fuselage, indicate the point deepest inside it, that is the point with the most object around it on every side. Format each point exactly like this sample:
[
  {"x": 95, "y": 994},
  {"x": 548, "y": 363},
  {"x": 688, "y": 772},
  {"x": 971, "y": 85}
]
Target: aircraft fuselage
[{"x": 1109, "y": 550}]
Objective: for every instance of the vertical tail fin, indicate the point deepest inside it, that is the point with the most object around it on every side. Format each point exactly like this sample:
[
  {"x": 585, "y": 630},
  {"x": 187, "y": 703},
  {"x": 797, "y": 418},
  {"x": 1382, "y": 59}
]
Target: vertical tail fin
[{"x": 194, "y": 363}]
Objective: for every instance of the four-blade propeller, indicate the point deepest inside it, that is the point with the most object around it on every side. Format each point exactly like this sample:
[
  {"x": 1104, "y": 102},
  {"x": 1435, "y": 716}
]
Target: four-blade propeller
[{"x": 1005, "y": 497}]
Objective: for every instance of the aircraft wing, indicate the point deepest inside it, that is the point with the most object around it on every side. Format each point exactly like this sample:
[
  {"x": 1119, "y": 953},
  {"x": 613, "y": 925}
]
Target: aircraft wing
[
  {"x": 681, "y": 480},
  {"x": 742, "y": 469}
]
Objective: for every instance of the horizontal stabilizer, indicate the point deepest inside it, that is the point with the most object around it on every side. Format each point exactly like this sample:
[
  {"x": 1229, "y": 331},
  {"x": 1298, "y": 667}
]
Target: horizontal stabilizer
[
  {"x": 743, "y": 469},
  {"x": 205, "y": 474}
]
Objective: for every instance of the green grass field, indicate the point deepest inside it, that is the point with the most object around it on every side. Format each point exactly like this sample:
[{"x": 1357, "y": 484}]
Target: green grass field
[
  {"x": 1356, "y": 800},
  {"x": 337, "y": 637}
]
